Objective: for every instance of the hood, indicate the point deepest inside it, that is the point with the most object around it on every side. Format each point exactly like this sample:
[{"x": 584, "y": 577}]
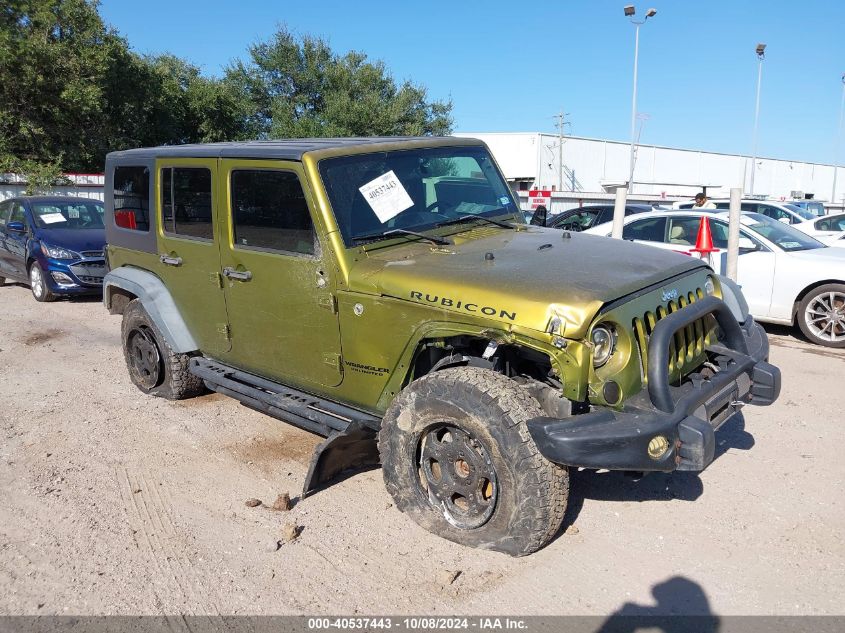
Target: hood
[
  {"x": 74, "y": 239},
  {"x": 827, "y": 256},
  {"x": 518, "y": 277}
]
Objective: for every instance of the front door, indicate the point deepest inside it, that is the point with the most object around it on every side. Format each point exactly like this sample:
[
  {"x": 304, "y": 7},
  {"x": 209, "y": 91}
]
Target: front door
[
  {"x": 189, "y": 259},
  {"x": 278, "y": 282},
  {"x": 15, "y": 243}
]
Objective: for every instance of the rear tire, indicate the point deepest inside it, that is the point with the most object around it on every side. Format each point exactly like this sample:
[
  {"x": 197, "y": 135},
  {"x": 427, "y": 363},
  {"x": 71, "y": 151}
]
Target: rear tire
[
  {"x": 38, "y": 284},
  {"x": 153, "y": 366},
  {"x": 821, "y": 315},
  {"x": 458, "y": 459}
]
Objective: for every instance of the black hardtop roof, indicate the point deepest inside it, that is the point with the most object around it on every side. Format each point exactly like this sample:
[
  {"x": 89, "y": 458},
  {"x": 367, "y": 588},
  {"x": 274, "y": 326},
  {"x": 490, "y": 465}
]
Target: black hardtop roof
[{"x": 288, "y": 149}]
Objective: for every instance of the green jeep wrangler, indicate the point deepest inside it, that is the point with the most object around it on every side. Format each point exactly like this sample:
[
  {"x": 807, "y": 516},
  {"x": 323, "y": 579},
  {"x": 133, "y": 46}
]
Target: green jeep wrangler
[{"x": 385, "y": 293}]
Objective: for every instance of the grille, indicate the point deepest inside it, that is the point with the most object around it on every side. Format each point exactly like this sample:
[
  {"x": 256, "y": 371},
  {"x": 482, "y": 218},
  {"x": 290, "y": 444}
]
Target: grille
[
  {"x": 686, "y": 350},
  {"x": 94, "y": 281},
  {"x": 92, "y": 254}
]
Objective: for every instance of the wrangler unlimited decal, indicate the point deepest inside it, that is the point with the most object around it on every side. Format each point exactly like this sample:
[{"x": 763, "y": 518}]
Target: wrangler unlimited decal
[
  {"x": 455, "y": 304},
  {"x": 367, "y": 369}
]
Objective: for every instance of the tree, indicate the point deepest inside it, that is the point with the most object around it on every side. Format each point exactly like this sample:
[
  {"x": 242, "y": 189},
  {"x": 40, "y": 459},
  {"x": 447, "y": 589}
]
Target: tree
[
  {"x": 54, "y": 55},
  {"x": 298, "y": 87},
  {"x": 71, "y": 91}
]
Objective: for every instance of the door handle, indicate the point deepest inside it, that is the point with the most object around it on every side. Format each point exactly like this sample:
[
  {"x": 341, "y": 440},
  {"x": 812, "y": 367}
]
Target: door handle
[
  {"x": 170, "y": 260},
  {"x": 231, "y": 273}
]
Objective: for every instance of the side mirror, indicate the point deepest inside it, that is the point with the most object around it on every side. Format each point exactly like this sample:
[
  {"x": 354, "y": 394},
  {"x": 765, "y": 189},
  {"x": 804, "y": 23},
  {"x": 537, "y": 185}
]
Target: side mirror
[
  {"x": 16, "y": 227},
  {"x": 539, "y": 217},
  {"x": 747, "y": 245},
  {"x": 784, "y": 220}
]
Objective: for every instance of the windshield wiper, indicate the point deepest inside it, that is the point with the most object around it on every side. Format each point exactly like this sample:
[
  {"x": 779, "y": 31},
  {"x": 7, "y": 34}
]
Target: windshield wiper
[
  {"x": 467, "y": 218},
  {"x": 441, "y": 241}
]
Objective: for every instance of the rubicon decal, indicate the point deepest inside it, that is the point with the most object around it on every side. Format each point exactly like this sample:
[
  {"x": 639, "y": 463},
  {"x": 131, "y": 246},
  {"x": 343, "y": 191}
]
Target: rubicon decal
[{"x": 463, "y": 306}]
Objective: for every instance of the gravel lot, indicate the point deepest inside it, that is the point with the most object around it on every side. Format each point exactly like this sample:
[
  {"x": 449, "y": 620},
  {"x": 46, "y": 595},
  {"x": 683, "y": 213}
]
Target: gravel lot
[{"x": 115, "y": 502}]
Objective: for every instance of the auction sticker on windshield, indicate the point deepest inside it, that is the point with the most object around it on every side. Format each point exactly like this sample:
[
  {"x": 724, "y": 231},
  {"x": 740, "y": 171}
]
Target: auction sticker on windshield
[
  {"x": 51, "y": 218},
  {"x": 386, "y": 196}
]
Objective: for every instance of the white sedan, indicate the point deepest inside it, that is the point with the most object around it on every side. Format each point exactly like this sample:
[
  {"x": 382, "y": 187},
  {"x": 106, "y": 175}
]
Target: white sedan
[
  {"x": 827, "y": 228},
  {"x": 787, "y": 276}
]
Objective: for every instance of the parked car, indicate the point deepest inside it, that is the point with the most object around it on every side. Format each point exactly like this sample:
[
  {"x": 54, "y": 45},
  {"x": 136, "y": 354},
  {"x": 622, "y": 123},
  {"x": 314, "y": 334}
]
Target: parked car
[
  {"x": 828, "y": 226},
  {"x": 386, "y": 293},
  {"x": 55, "y": 244},
  {"x": 816, "y": 207},
  {"x": 775, "y": 210},
  {"x": 787, "y": 276},
  {"x": 582, "y": 218}
]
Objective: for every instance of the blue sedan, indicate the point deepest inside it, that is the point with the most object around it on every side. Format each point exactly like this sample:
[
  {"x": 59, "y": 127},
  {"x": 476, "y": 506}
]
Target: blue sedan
[{"x": 55, "y": 244}]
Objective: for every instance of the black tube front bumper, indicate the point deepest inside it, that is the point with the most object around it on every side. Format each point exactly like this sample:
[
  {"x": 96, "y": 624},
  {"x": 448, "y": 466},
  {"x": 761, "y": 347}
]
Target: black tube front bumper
[{"x": 686, "y": 416}]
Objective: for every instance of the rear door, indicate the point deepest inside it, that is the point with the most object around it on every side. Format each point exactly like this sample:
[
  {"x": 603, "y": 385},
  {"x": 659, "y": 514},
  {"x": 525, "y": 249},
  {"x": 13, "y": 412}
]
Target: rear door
[
  {"x": 189, "y": 258},
  {"x": 277, "y": 279}
]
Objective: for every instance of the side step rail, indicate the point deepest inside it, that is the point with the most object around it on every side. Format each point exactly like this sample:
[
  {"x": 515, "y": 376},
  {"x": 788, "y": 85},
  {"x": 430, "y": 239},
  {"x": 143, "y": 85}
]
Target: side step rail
[{"x": 350, "y": 433}]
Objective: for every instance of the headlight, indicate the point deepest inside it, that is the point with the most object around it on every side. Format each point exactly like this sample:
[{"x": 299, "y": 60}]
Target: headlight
[
  {"x": 57, "y": 252},
  {"x": 604, "y": 342},
  {"x": 709, "y": 287}
]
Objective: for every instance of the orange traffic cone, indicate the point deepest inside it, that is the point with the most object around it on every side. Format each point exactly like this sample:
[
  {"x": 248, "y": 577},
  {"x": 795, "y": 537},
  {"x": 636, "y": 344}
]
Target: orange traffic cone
[{"x": 704, "y": 241}]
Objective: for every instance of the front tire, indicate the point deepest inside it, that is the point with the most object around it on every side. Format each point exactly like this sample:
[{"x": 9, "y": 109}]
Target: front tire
[
  {"x": 821, "y": 315},
  {"x": 458, "y": 459},
  {"x": 153, "y": 365},
  {"x": 38, "y": 284}
]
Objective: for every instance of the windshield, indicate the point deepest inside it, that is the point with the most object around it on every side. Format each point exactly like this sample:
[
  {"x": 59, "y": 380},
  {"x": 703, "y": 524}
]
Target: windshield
[
  {"x": 783, "y": 235},
  {"x": 804, "y": 213},
  {"x": 413, "y": 190},
  {"x": 68, "y": 214}
]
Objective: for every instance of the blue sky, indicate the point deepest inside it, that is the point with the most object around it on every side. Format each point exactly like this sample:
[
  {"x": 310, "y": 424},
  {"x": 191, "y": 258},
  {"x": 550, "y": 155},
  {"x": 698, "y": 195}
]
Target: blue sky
[{"x": 511, "y": 66}]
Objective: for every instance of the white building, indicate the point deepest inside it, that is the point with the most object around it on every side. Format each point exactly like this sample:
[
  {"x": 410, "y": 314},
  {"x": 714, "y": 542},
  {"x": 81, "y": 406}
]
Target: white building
[{"x": 593, "y": 168}]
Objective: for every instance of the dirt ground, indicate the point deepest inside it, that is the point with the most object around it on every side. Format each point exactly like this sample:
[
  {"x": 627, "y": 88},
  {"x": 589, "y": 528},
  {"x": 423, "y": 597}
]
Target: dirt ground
[{"x": 113, "y": 502}]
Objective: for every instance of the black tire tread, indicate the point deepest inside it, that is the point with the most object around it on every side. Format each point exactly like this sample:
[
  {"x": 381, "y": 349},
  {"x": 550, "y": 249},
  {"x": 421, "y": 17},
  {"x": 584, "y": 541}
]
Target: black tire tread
[
  {"x": 178, "y": 383},
  {"x": 545, "y": 483}
]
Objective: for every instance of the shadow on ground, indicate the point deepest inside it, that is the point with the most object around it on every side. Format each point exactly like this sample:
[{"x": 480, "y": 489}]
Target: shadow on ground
[
  {"x": 680, "y": 604},
  {"x": 620, "y": 486}
]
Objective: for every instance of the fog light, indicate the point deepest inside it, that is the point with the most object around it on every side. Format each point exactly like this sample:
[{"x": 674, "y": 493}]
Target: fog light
[
  {"x": 611, "y": 392},
  {"x": 62, "y": 279},
  {"x": 657, "y": 447}
]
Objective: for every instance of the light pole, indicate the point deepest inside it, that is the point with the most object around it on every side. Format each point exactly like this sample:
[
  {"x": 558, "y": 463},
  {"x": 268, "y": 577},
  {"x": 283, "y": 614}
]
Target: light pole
[
  {"x": 630, "y": 11},
  {"x": 761, "y": 55},
  {"x": 838, "y": 146}
]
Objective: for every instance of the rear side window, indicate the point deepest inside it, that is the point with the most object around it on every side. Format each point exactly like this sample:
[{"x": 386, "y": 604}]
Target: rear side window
[
  {"x": 269, "y": 211},
  {"x": 186, "y": 202},
  {"x": 132, "y": 198},
  {"x": 650, "y": 230}
]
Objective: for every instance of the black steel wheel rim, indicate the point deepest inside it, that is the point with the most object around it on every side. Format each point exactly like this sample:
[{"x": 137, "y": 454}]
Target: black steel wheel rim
[
  {"x": 144, "y": 357},
  {"x": 457, "y": 475}
]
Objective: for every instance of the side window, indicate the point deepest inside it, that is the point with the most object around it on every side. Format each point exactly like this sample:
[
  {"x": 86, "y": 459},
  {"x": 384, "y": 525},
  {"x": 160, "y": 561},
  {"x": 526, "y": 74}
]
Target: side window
[
  {"x": 5, "y": 207},
  {"x": 684, "y": 231},
  {"x": 719, "y": 232},
  {"x": 18, "y": 213},
  {"x": 578, "y": 221},
  {"x": 269, "y": 211},
  {"x": 186, "y": 202},
  {"x": 752, "y": 207},
  {"x": 132, "y": 198},
  {"x": 650, "y": 230}
]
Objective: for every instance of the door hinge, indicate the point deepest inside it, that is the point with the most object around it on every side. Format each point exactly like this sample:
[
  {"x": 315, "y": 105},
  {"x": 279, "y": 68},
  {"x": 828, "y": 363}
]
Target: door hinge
[
  {"x": 328, "y": 302},
  {"x": 216, "y": 278},
  {"x": 333, "y": 359},
  {"x": 224, "y": 330}
]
